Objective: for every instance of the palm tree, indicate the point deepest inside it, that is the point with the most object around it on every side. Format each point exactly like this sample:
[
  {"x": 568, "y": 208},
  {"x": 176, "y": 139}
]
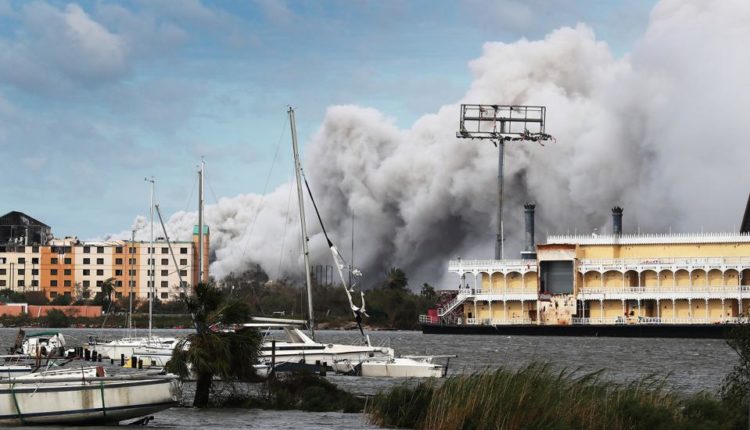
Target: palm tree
[
  {"x": 108, "y": 287},
  {"x": 227, "y": 354},
  {"x": 396, "y": 279}
]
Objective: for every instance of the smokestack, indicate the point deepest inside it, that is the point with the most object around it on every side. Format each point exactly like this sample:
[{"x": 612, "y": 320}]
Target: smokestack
[
  {"x": 617, "y": 221},
  {"x": 529, "y": 251}
]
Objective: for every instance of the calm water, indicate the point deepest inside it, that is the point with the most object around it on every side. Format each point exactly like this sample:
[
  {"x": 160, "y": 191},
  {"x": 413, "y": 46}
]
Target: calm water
[{"x": 693, "y": 365}]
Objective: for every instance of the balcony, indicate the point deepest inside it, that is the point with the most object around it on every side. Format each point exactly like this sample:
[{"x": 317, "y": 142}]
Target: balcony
[
  {"x": 491, "y": 266},
  {"x": 666, "y": 263},
  {"x": 664, "y": 292},
  {"x": 655, "y": 320}
]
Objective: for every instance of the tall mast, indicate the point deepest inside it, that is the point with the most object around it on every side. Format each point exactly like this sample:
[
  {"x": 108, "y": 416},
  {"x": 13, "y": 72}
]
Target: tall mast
[
  {"x": 131, "y": 273},
  {"x": 298, "y": 174},
  {"x": 151, "y": 256},
  {"x": 200, "y": 220}
]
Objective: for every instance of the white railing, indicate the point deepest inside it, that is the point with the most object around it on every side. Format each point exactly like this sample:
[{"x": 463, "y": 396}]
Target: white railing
[
  {"x": 631, "y": 263},
  {"x": 625, "y": 239},
  {"x": 698, "y": 319},
  {"x": 492, "y": 265},
  {"x": 667, "y": 289},
  {"x": 429, "y": 319},
  {"x": 494, "y": 321},
  {"x": 501, "y": 292},
  {"x": 460, "y": 298}
]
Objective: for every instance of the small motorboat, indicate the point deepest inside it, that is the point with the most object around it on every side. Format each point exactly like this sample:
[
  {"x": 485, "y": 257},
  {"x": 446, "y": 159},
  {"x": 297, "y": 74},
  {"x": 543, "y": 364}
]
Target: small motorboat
[
  {"x": 410, "y": 366},
  {"x": 84, "y": 396}
]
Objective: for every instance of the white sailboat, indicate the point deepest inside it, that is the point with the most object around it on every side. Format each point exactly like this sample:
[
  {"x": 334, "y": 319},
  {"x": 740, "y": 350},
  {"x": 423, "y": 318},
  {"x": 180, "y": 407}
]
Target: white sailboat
[
  {"x": 126, "y": 346},
  {"x": 83, "y": 396},
  {"x": 284, "y": 342}
]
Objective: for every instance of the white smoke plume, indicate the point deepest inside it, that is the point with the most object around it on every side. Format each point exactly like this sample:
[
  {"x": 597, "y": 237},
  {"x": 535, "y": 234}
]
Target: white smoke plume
[{"x": 659, "y": 131}]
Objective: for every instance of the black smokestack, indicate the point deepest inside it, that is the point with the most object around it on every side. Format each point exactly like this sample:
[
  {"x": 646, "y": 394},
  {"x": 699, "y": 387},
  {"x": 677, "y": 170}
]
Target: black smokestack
[
  {"x": 529, "y": 251},
  {"x": 617, "y": 221}
]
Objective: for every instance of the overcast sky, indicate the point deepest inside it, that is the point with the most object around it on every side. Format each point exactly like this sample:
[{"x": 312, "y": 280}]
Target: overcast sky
[{"x": 94, "y": 96}]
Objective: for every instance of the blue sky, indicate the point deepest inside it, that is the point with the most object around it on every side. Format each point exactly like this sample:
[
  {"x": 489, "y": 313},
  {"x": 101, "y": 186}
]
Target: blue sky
[{"x": 96, "y": 95}]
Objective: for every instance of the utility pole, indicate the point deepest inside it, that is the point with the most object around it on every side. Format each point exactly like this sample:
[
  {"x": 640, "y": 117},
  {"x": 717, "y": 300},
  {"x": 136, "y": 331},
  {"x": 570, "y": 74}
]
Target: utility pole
[
  {"x": 201, "y": 172},
  {"x": 501, "y": 124},
  {"x": 151, "y": 263}
]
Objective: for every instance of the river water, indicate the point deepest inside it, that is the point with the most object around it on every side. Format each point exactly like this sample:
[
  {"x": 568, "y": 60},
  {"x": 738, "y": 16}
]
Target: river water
[{"x": 692, "y": 365}]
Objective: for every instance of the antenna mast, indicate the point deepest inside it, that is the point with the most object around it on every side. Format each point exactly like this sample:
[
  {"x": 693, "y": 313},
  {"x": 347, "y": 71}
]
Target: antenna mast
[{"x": 501, "y": 124}]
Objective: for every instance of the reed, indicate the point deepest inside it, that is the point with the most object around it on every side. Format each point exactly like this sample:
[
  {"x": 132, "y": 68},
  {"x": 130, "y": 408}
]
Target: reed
[{"x": 537, "y": 397}]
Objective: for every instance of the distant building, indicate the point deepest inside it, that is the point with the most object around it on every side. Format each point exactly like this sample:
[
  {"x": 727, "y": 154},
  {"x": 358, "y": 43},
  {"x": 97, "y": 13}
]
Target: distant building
[
  {"x": 69, "y": 267},
  {"x": 19, "y": 229}
]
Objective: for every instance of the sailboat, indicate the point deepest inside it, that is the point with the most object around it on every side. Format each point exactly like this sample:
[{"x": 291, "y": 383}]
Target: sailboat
[
  {"x": 295, "y": 347},
  {"x": 128, "y": 345}
]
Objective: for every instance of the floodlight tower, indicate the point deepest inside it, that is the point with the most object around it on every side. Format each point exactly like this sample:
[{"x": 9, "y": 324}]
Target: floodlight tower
[{"x": 500, "y": 124}]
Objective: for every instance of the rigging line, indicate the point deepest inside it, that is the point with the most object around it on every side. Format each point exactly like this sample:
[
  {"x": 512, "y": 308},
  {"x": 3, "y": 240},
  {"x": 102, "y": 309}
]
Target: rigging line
[
  {"x": 265, "y": 188},
  {"x": 187, "y": 203},
  {"x": 283, "y": 236},
  {"x": 317, "y": 212}
]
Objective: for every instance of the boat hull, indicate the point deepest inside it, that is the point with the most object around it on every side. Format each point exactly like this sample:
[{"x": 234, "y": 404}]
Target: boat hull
[
  {"x": 93, "y": 403},
  {"x": 700, "y": 331}
]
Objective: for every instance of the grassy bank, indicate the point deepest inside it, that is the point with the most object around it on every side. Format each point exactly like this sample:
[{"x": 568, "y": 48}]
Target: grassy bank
[{"x": 536, "y": 397}]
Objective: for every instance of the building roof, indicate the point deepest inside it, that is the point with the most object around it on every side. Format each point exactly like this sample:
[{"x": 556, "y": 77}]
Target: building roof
[{"x": 20, "y": 218}]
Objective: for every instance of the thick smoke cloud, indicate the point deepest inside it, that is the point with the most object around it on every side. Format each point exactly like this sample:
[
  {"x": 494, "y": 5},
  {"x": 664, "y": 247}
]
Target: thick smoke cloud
[{"x": 659, "y": 131}]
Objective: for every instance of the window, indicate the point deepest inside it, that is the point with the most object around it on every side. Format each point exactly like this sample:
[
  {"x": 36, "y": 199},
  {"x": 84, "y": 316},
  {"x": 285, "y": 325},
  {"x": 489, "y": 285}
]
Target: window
[
  {"x": 131, "y": 261},
  {"x": 183, "y": 272},
  {"x": 34, "y": 249},
  {"x": 149, "y": 284},
  {"x": 100, "y": 272},
  {"x": 86, "y": 272},
  {"x": 53, "y": 272},
  {"x": 118, "y": 295},
  {"x": 53, "y": 283},
  {"x": 99, "y": 283},
  {"x": 183, "y": 250},
  {"x": 118, "y": 284},
  {"x": 118, "y": 250},
  {"x": 100, "y": 250},
  {"x": 20, "y": 272},
  {"x": 131, "y": 272},
  {"x": 53, "y": 261},
  {"x": 34, "y": 283},
  {"x": 2, "y": 283},
  {"x": 67, "y": 261},
  {"x": 87, "y": 283},
  {"x": 66, "y": 283},
  {"x": 131, "y": 283},
  {"x": 164, "y": 284},
  {"x": 149, "y": 273},
  {"x": 53, "y": 294},
  {"x": 86, "y": 249},
  {"x": 165, "y": 273},
  {"x": 118, "y": 272},
  {"x": 151, "y": 250},
  {"x": 99, "y": 261},
  {"x": 131, "y": 250},
  {"x": 34, "y": 260},
  {"x": 66, "y": 294},
  {"x": 34, "y": 271},
  {"x": 3, "y": 271},
  {"x": 67, "y": 272},
  {"x": 86, "y": 261},
  {"x": 21, "y": 283},
  {"x": 164, "y": 295},
  {"x": 164, "y": 261},
  {"x": 183, "y": 262},
  {"x": 21, "y": 260},
  {"x": 118, "y": 260},
  {"x": 165, "y": 250}
]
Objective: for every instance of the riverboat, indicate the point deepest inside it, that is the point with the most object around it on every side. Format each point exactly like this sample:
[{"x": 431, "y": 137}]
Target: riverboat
[{"x": 629, "y": 285}]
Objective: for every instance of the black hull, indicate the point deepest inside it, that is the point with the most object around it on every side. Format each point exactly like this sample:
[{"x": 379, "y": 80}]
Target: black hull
[{"x": 699, "y": 331}]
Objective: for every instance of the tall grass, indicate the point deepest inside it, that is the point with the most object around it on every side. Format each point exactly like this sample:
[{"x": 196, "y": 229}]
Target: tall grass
[{"x": 537, "y": 397}]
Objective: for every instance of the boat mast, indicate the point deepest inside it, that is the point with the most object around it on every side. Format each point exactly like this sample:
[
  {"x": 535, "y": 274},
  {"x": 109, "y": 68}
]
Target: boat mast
[
  {"x": 200, "y": 220},
  {"x": 131, "y": 272},
  {"x": 151, "y": 260},
  {"x": 298, "y": 174}
]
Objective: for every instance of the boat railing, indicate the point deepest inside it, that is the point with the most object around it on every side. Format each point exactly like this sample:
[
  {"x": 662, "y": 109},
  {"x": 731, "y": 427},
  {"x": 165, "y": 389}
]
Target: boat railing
[
  {"x": 666, "y": 261},
  {"x": 698, "y": 319},
  {"x": 667, "y": 289}
]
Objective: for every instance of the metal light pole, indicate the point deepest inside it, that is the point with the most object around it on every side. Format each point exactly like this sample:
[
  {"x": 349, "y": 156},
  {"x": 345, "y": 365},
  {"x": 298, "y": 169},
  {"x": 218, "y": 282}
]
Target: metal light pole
[{"x": 501, "y": 124}]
